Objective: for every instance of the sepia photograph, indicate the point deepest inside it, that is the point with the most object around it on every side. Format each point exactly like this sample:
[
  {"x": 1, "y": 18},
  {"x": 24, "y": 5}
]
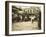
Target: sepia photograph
[{"x": 24, "y": 18}]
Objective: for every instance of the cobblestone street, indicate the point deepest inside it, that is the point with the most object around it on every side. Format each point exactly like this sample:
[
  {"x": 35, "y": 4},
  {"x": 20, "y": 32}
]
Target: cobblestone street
[{"x": 25, "y": 26}]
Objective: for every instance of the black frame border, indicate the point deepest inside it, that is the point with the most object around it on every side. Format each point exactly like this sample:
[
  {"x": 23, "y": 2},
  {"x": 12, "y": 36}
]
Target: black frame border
[{"x": 7, "y": 17}]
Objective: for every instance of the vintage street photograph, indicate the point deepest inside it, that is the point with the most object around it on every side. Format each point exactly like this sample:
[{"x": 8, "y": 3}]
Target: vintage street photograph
[{"x": 26, "y": 18}]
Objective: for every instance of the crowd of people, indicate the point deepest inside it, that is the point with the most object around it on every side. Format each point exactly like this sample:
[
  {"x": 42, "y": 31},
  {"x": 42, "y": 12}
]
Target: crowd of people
[{"x": 19, "y": 15}]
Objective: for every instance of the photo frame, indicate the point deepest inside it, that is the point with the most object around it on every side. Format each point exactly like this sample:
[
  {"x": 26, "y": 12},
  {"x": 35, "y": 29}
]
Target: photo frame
[{"x": 24, "y": 18}]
